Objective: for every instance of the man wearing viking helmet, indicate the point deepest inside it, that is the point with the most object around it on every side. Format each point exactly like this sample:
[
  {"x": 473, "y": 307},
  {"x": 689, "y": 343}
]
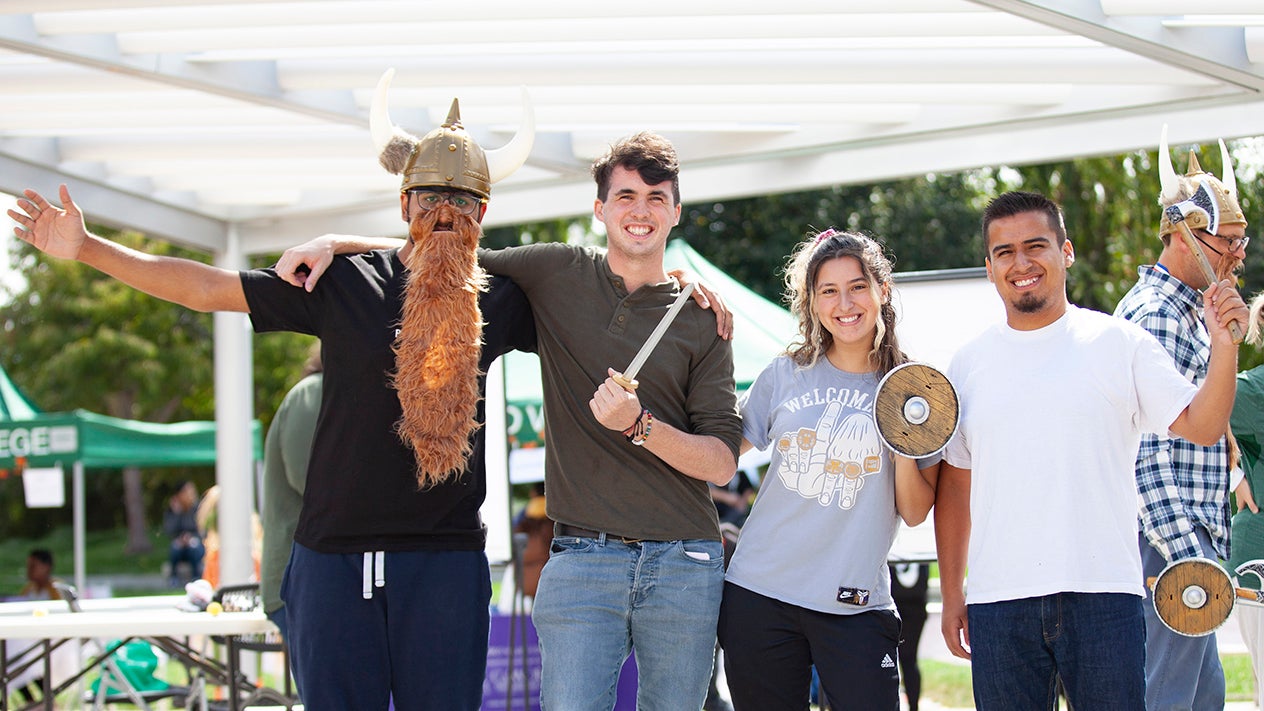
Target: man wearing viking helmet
[
  {"x": 1184, "y": 487},
  {"x": 388, "y": 586}
]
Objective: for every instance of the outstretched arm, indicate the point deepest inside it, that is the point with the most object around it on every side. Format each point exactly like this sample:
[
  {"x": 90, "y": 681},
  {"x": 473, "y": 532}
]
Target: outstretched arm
[{"x": 60, "y": 232}]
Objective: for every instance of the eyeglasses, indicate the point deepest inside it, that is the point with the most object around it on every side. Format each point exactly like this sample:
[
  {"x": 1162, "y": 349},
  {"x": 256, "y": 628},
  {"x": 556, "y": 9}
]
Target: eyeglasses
[
  {"x": 465, "y": 203},
  {"x": 1235, "y": 243}
]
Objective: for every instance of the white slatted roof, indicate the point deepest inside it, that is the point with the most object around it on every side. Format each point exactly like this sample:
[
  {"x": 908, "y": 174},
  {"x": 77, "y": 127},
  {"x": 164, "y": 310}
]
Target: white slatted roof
[{"x": 196, "y": 120}]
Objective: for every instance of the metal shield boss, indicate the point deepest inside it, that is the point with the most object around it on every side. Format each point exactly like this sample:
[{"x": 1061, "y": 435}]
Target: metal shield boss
[{"x": 916, "y": 410}]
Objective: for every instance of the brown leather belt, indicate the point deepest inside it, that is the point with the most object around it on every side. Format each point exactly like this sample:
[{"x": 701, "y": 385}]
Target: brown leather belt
[{"x": 565, "y": 529}]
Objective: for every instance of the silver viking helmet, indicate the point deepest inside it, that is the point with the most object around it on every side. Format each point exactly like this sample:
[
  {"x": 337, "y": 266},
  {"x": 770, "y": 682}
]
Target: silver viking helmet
[
  {"x": 447, "y": 157},
  {"x": 1197, "y": 198}
]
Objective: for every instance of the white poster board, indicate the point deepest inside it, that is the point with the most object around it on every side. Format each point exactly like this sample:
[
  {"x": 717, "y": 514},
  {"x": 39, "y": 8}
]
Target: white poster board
[{"x": 44, "y": 488}]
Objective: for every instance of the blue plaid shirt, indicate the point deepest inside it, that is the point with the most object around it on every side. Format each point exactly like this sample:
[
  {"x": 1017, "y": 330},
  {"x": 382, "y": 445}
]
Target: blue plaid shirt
[{"x": 1181, "y": 485}]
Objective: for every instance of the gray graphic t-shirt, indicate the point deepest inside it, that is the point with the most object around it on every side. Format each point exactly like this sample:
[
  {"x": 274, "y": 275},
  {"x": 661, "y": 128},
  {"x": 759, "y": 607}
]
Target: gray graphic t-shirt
[{"x": 824, "y": 518}]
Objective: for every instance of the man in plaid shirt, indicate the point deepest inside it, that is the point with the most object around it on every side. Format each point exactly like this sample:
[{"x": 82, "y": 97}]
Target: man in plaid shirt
[{"x": 1184, "y": 487}]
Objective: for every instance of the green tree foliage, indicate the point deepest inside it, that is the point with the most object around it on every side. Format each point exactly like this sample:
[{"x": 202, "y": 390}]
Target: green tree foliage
[
  {"x": 560, "y": 230},
  {"x": 928, "y": 222}
]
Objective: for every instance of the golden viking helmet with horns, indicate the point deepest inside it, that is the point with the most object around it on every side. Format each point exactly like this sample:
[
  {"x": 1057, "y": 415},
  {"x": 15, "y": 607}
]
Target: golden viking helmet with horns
[
  {"x": 1200, "y": 199},
  {"x": 447, "y": 157}
]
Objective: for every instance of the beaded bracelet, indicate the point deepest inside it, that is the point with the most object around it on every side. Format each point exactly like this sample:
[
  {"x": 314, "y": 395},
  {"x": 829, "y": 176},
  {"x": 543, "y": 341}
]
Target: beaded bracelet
[{"x": 640, "y": 430}]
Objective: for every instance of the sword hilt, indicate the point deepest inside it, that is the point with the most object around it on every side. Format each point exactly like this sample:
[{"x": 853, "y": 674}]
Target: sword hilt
[
  {"x": 1248, "y": 594},
  {"x": 629, "y": 385}
]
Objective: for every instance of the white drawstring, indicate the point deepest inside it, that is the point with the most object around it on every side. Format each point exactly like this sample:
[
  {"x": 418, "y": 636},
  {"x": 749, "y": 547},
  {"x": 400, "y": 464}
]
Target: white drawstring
[{"x": 374, "y": 573}]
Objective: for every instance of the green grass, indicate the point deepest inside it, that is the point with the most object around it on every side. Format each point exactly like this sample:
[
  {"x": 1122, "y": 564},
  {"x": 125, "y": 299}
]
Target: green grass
[
  {"x": 104, "y": 554},
  {"x": 948, "y": 683},
  {"x": 1239, "y": 679}
]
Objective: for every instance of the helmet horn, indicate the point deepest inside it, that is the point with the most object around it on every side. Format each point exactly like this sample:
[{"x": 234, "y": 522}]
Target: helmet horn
[
  {"x": 505, "y": 160},
  {"x": 1171, "y": 185},
  {"x": 380, "y": 126},
  {"x": 1228, "y": 180},
  {"x": 394, "y": 145}
]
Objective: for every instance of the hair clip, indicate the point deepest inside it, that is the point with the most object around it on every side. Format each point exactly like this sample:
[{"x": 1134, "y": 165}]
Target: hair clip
[{"x": 825, "y": 235}]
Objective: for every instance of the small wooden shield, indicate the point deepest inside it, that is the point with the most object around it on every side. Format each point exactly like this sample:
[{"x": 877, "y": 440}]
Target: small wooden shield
[
  {"x": 1193, "y": 597},
  {"x": 916, "y": 410}
]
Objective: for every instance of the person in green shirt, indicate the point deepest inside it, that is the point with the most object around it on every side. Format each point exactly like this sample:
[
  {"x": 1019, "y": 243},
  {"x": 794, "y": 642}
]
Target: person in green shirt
[
  {"x": 1246, "y": 534},
  {"x": 286, "y": 451}
]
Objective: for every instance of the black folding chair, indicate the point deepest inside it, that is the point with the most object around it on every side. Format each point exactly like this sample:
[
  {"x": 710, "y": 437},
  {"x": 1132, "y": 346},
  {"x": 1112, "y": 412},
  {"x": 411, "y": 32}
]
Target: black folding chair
[{"x": 246, "y": 598}]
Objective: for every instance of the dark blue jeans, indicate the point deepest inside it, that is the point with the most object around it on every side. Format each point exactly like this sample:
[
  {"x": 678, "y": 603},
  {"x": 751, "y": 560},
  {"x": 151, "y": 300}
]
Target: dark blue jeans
[{"x": 1094, "y": 641}]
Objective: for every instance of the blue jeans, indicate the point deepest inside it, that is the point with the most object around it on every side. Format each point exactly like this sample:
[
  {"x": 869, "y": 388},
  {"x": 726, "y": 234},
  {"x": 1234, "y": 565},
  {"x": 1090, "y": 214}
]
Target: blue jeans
[
  {"x": 600, "y": 598},
  {"x": 1181, "y": 672},
  {"x": 1094, "y": 641},
  {"x": 192, "y": 552}
]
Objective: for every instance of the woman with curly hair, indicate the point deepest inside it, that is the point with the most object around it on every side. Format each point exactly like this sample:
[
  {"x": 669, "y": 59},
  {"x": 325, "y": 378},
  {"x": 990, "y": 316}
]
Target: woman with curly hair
[{"x": 808, "y": 585}]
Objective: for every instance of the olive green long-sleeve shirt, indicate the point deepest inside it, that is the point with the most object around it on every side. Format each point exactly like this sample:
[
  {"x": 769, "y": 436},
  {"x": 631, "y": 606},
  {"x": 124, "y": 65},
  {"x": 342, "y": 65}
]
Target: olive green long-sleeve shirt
[
  {"x": 286, "y": 451},
  {"x": 586, "y": 322}
]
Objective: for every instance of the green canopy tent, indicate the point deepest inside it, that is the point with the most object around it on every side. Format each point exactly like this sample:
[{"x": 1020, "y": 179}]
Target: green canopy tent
[{"x": 85, "y": 439}]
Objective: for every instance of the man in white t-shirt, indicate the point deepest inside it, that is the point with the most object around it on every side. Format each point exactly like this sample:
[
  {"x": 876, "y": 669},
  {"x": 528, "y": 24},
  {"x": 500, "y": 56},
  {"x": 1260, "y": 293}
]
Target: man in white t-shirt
[{"x": 1039, "y": 477}]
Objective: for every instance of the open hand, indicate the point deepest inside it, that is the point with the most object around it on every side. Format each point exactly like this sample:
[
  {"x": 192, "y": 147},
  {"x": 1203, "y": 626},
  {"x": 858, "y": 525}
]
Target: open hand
[{"x": 58, "y": 232}]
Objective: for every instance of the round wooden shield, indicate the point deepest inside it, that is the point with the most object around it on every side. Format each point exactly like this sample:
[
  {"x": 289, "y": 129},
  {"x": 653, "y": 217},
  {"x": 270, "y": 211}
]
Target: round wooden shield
[
  {"x": 916, "y": 410},
  {"x": 1193, "y": 597}
]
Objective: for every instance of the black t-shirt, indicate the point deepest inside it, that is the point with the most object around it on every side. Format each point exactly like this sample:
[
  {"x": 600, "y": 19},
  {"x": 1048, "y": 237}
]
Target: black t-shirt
[{"x": 362, "y": 492}]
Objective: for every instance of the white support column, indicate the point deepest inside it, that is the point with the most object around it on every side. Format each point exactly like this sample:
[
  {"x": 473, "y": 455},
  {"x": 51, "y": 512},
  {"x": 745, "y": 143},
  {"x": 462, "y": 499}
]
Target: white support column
[
  {"x": 80, "y": 511},
  {"x": 496, "y": 507},
  {"x": 234, "y": 412}
]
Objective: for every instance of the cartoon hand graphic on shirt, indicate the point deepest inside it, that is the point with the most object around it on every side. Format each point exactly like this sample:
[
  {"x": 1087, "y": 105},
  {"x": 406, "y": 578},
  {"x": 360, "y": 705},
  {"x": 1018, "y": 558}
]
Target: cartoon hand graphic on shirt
[
  {"x": 861, "y": 455},
  {"x": 803, "y": 453},
  {"x": 832, "y": 458}
]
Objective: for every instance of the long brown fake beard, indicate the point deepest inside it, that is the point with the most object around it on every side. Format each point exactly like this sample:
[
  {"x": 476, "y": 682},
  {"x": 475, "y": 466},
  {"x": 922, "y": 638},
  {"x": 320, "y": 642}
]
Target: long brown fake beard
[{"x": 438, "y": 347}]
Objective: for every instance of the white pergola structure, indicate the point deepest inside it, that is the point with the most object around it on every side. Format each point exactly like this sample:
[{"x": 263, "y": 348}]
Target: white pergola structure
[{"x": 240, "y": 127}]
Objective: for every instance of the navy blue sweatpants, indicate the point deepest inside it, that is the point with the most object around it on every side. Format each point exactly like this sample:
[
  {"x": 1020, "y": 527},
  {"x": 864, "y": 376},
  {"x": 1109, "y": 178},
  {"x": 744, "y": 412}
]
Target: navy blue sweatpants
[{"x": 421, "y": 637}]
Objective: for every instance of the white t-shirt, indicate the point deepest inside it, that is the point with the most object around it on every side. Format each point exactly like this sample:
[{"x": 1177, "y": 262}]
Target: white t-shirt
[
  {"x": 825, "y": 517},
  {"x": 1051, "y": 421}
]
